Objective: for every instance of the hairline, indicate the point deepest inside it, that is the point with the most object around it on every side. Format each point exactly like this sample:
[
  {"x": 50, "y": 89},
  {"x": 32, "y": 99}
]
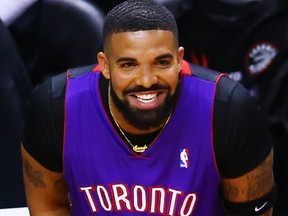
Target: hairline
[{"x": 107, "y": 41}]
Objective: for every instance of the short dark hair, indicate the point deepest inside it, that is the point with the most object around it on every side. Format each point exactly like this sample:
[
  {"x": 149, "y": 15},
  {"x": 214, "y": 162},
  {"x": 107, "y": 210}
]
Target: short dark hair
[{"x": 139, "y": 15}]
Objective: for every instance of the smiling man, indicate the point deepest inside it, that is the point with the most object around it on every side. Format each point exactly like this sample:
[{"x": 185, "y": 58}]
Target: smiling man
[
  {"x": 144, "y": 73},
  {"x": 144, "y": 132}
]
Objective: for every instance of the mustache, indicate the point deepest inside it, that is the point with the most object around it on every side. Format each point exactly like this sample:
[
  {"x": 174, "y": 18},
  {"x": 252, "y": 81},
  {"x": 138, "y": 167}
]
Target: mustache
[{"x": 155, "y": 87}]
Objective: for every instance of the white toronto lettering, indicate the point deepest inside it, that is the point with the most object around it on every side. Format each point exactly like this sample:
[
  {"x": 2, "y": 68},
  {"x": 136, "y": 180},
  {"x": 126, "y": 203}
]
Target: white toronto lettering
[
  {"x": 139, "y": 190},
  {"x": 103, "y": 193},
  {"x": 157, "y": 199},
  {"x": 87, "y": 192},
  {"x": 188, "y": 205},
  {"x": 174, "y": 198},
  {"x": 120, "y": 193}
]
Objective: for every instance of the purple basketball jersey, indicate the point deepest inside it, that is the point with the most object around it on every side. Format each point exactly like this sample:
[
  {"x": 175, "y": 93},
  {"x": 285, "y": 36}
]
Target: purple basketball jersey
[{"x": 176, "y": 175}]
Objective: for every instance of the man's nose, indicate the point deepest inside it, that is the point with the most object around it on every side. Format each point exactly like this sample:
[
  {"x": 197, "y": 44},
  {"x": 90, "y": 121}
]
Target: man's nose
[{"x": 146, "y": 77}]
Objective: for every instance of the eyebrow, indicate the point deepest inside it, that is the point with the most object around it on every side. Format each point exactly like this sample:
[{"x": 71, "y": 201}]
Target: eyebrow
[
  {"x": 129, "y": 59},
  {"x": 167, "y": 55},
  {"x": 125, "y": 59}
]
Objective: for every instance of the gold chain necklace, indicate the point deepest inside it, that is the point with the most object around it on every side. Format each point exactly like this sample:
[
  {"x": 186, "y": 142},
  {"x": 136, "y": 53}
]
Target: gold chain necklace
[{"x": 136, "y": 148}]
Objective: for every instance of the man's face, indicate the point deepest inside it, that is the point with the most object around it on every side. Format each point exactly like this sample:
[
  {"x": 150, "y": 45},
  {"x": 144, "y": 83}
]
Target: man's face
[{"x": 143, "y": 68}]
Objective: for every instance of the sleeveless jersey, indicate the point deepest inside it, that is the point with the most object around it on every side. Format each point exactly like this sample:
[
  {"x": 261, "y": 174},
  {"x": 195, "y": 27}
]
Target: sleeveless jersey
[{"x": 176, "y": 175}]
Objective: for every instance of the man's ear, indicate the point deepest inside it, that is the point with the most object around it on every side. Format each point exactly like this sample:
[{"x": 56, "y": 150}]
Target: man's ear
[
  {"x": 103, "y": 62},
  {"x": 180, "y": 57}
]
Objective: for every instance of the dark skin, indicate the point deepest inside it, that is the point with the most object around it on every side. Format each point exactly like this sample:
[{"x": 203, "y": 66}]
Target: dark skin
[
  {"x": 252, "y": 185},
  {"x": 136, "y": 58},
  {"x": 46, "y": 191}
]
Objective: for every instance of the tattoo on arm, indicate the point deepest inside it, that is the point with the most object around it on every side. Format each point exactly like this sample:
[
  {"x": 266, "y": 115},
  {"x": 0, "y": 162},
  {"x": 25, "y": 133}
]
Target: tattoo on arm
[
  {"x": 262, "y": 178},
  {"x": 254, "y": 183},
  {"x": 230, "y": 192},
  {"x": 36, "y": 177},
  {"x": 60, "y": 185}
]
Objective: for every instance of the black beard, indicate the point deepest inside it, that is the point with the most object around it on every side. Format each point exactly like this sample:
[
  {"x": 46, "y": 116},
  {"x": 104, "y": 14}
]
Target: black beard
[{"x": 145, "y": 119}]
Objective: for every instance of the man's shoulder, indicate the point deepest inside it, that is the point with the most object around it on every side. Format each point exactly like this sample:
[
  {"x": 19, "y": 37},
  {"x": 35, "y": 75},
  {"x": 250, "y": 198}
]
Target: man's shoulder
[
  {"x": 74, "y": 72},
  {"x": 222, "y": 79},
  {"x": 55, "y": 86},
  {"x": 225, "y": 86},
  {"x": 204, "y": 73}
]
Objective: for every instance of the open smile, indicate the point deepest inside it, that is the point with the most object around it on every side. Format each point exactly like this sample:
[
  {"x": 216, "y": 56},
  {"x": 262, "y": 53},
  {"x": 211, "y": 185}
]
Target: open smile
[{"x": 148, "y": 100}]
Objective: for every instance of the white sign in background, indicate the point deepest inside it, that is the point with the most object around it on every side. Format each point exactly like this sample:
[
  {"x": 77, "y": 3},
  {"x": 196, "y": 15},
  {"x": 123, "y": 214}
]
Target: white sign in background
[{"x": 23, "y": 211}]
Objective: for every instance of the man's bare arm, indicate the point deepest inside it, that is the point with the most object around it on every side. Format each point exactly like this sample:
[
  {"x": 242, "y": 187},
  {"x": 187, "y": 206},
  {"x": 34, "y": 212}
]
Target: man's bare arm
[
  {"x": 46, "y": 191},
  {"x": 252, "y": 185}
]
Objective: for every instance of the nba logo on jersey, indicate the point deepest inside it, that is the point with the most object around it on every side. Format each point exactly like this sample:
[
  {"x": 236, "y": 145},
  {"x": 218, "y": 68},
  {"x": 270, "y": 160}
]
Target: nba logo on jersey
[{"x": 184, "y": 160}]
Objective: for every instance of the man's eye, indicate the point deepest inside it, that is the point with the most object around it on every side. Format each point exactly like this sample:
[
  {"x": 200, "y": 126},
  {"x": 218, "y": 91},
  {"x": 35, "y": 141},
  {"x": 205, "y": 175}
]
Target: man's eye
[
  {"x": 127, "y": 65},
  {"x": 163, "y": 63}
]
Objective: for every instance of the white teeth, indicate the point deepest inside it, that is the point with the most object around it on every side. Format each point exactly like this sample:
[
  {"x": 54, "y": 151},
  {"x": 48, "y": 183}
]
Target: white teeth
[{"x": 146, "y": 98}]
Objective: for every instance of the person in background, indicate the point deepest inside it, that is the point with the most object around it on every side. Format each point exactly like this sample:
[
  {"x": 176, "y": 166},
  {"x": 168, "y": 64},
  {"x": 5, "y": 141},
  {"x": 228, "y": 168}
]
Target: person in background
[
  {"x": 15, "y": 90},
  {"x": 54, "y": 35},
  {"x": 248, "y": 41},
  {"x": 144, "y": 132}
]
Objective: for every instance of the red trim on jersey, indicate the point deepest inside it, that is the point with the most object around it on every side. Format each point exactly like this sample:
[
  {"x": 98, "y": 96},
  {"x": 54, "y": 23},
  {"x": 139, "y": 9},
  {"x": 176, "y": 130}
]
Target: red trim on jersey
[
  {"x": 212, "y": 131},
  {"x": 186, "y": 68},
  {"x": 96, "y": 68},
  {"x": 65, "y": 122}
]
